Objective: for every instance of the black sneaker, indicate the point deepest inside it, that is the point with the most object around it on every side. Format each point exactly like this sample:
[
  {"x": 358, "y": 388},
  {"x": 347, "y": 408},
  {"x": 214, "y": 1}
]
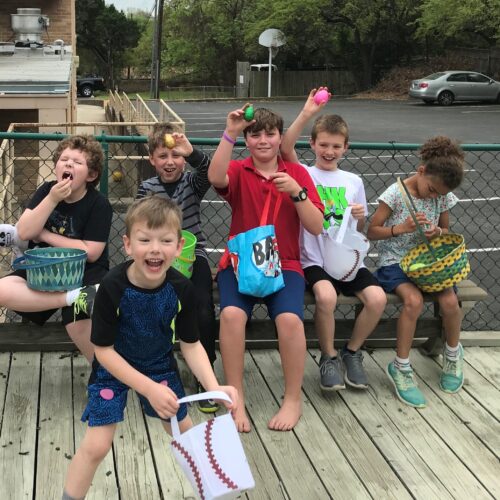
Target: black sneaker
[
  {"x": 85, "y": 300},
  {"x": 207, "y": 405}
]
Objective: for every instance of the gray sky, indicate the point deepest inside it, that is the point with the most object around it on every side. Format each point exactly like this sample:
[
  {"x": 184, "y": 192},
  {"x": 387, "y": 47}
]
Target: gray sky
[{"x": 146, "y": 5}]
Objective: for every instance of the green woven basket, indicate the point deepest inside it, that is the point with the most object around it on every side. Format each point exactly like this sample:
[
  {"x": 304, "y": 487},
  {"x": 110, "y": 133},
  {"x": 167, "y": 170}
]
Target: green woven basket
[
  {"x": 445, "y": 267},
  {"x": 435, "y": 264},
  {"x": 53, "y": 269}
]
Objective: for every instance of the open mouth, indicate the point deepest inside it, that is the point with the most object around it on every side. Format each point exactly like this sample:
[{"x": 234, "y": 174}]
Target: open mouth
[
  {"x": 154, "y": 263},
  {"x": 67, "y": 175}
]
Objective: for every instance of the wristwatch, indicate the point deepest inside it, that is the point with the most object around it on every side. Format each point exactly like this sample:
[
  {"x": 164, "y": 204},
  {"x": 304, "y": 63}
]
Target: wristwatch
[{"x": 301, "y": 196}]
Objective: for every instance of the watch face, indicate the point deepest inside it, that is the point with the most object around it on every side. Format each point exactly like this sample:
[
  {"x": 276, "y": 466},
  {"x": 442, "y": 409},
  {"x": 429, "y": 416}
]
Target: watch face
[{"x": 303, "y": 195}]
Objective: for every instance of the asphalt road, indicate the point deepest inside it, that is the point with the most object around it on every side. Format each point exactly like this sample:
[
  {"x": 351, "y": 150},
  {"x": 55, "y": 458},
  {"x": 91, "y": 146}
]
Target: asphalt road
[{"x": 369, "y": 121}]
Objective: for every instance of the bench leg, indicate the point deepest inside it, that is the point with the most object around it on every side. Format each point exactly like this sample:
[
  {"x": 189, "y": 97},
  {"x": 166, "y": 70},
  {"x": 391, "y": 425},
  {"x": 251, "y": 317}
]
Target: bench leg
[{"x": 433, "y": 346}]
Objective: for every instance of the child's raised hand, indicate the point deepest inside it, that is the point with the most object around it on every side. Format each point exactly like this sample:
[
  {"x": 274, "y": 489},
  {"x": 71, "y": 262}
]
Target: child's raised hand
[
  {"x": 163, "y": 400},
  {"x": 285, "y": 184},
  {"x": 60, "y": 190},
  {"x": 182, "y": 144},
  {"x": 311, "y": 106},
  {"x": 236, "y": 123},
  {"x": 357, "y": 210}
]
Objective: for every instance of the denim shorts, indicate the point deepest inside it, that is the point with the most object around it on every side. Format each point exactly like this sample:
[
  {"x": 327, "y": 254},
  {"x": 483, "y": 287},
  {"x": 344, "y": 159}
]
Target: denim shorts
[
  {"x": 290, "y": 299},
  {"x": 390, "y": 277},
  {"x": 107, "y": 398}
]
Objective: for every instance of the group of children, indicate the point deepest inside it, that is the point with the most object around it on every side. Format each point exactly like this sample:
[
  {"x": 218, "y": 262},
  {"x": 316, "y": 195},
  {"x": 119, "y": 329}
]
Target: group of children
[{"x": 140, "y": 307}]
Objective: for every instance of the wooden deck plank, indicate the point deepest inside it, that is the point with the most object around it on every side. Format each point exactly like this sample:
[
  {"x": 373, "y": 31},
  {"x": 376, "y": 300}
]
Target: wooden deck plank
[
  {"x": 370, "y": 465},
  {"x": 390, "y": 433},
  {"x": 470, "y": 413},
  {"x": 104, "y": 484},
  {"x": 478, "y": 385},
  {"x": 18, "y": 439},
  {"x": 4, "y": 371},
  {"x": 133, "y": 458},
  {"x": 487, "y": 362},
  {"x": 284, "y": 449},
  {"x": 338, "y": 477},
  {"x": 268, "y": 485},
  {"x": 55, "y": 435},
  {"x": 448, "y": 447}
]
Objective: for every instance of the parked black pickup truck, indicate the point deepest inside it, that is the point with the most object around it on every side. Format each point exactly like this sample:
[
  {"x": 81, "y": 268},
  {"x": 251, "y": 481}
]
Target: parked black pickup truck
[{"x": 87, "y": 85}]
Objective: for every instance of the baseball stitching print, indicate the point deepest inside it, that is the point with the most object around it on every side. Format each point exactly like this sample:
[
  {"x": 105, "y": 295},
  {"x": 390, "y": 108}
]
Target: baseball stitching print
[
  {"x": 213, "y": 461},
  {"x": 356, "y": 252},
  {"x": 192, "y": 465}
]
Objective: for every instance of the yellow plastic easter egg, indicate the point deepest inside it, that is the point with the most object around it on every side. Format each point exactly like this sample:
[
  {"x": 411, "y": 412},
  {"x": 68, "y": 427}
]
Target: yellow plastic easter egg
[
  {"x": 416, "y": 266},
  {"x": 117, "y": 175},
  {"x": 169, "y": 141}
]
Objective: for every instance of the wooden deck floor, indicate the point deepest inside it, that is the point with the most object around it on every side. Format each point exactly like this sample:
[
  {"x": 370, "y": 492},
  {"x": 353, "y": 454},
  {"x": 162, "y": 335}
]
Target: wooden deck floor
[{"x": 348, "y": 445}]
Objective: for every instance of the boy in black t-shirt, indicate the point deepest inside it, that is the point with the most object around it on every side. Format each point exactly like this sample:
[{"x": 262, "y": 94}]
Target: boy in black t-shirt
[
  {"x": 139, "y": 307},
  {"x": 67, "y": 212}
]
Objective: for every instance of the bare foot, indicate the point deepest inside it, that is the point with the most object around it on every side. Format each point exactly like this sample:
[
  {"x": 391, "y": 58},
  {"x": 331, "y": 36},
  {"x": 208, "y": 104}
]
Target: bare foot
[
  {"x": 241, "y": 419},
  {"x": 287, "y": 417}
]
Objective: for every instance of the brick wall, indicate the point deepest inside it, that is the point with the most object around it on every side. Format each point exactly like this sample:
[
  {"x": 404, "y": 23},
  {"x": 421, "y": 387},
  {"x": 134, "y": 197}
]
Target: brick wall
[{"x": 61, "y": 15}]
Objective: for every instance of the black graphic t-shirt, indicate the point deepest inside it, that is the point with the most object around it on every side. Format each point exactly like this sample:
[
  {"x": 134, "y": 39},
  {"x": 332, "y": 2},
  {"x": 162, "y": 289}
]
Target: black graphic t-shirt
[{"x": 86, "y": 219}]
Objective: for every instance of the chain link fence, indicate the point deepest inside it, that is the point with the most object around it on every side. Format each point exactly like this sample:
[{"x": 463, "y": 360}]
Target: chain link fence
[{"x": 26, "y": 162}]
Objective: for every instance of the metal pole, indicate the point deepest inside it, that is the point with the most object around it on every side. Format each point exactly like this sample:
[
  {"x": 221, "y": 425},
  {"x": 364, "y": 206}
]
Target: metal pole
[
  {"x": 153, "y": 54},
  {"x": 269, "y": 76},
  {"x": 159, "y": 23}
]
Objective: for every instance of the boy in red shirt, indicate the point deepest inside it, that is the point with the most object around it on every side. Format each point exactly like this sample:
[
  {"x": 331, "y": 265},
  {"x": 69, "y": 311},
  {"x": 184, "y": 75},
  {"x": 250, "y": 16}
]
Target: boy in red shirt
[{"x": 245, "y": 185}]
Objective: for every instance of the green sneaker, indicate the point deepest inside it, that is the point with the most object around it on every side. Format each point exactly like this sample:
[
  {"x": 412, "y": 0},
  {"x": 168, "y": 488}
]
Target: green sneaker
[
  {"x": 85, "y": 300},
  {"x": 452, "y": 376},
  {"x": 405, "y": 385}
]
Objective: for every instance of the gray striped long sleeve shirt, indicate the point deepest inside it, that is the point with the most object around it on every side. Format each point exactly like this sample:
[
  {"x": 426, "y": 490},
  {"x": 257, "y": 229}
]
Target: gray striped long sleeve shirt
[{"x": 188, "y": 193}]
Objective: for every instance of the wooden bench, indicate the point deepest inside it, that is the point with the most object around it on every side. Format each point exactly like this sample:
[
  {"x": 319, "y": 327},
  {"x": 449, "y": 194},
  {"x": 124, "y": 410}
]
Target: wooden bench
[
  {"x": 429, "y": 334},
  {"x": 261, "y": 332}
]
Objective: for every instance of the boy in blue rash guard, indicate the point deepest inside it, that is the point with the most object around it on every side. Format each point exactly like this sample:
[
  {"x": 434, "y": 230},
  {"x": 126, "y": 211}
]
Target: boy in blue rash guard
[{"x": 139, "y": 307}]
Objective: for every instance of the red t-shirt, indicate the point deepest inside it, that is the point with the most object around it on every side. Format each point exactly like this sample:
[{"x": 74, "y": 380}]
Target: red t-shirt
[{"x": 246, "y": 194}]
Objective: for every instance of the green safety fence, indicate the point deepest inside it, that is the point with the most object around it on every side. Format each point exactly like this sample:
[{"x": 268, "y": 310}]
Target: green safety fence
[{"x": 26, "y": 161}]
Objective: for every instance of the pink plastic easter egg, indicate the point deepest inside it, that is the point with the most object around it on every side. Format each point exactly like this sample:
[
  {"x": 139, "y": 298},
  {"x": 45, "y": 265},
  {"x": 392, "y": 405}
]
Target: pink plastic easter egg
[{"x": 321, "y": 96}]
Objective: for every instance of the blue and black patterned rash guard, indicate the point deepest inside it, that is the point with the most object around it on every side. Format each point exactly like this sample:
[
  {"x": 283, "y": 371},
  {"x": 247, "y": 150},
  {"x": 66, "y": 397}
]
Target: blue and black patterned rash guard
[{"x": 142, "y": 324}]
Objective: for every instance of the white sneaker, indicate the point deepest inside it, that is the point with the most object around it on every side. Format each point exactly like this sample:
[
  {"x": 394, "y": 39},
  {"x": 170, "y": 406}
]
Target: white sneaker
[{"x": 9, "y": 238}]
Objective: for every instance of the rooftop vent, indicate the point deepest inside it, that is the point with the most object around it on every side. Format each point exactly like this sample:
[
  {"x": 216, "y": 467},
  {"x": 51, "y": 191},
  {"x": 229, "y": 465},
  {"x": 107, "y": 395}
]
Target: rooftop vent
[{"x": 28, "y": 25}]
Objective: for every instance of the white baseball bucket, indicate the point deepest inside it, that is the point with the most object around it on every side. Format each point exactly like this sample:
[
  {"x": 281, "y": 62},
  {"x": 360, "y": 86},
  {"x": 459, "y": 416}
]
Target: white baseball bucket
[
  {"x": 211, "y": 454},
  {"x": 345, "y": 249}
]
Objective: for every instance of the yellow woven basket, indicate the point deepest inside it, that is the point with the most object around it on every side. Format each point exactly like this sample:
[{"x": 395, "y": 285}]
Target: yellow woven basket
[
  {"x": 435, "y": 264},
  {"x": 431, "y": 275}
]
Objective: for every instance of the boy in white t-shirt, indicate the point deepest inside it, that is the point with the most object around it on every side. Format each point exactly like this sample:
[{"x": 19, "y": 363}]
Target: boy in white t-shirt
[{"x": 337, "y": 189}]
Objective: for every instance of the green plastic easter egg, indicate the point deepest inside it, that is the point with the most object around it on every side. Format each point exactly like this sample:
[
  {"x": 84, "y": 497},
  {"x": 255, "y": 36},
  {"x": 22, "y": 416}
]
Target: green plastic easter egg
[{"x": 248, "y": 114}]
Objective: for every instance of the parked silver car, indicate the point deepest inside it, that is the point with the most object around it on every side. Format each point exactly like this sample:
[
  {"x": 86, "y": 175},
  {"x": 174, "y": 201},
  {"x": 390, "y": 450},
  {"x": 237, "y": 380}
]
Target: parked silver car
[{"x": 449, "y": 86}]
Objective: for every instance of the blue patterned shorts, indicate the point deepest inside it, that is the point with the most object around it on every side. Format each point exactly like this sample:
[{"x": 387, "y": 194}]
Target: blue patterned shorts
[{"x": 108, "y": 398}]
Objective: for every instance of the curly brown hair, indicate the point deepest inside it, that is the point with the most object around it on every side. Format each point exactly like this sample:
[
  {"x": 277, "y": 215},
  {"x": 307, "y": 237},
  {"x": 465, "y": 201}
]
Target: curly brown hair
[
  {"x": 88, "y": 145},
  {"x": 443, "y": 158},
  {"x": 332, "y": 124},
  {"x": 265, "y": 119},
  {"x": 156, "y": 138},
  {"x": 156, "y": 212}
]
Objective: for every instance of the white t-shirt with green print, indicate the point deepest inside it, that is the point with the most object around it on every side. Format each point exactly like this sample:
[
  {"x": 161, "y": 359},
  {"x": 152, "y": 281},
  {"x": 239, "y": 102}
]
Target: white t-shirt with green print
[{"x": 336, "y": 189}]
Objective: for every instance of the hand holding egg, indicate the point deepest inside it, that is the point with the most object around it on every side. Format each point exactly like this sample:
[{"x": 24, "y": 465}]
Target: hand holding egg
[{"x": 321, "y": 96}]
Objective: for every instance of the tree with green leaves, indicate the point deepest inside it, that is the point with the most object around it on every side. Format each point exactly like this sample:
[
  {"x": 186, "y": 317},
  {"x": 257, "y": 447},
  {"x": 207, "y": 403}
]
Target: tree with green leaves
[{"x": 107, "y": 35}]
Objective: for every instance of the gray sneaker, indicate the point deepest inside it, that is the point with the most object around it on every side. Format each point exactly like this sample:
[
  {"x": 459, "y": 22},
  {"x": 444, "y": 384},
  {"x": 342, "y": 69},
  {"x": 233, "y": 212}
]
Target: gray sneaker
[
  {"x": 331, "y": 374},
  {"x": 355, "y": 375}
]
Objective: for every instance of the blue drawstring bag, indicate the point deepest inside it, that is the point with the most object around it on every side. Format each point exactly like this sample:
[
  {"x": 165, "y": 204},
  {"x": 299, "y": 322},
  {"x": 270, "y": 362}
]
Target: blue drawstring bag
[{"x": 255, "y": 257}]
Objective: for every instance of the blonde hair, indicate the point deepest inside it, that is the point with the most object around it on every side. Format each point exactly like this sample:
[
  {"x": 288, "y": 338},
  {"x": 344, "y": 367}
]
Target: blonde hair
[
  {"x": 156, "y": 138},
  {"x": 156, "y": 212},
  {"x": 331, "y": 124}
]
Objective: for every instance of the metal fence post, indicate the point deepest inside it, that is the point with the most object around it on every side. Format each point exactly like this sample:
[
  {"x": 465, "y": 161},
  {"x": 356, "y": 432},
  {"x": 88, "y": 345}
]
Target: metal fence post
[{"x": 104, "y": 183}]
